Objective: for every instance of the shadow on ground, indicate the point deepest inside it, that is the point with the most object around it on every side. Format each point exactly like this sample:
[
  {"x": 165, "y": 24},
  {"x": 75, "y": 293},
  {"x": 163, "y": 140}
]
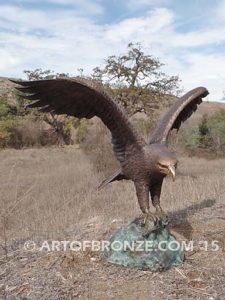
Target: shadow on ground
[{"x": 179, "y": 218}]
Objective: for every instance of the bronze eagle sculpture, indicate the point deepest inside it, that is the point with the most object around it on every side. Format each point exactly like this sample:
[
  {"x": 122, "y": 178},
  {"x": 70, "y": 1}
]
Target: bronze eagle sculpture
[{"x": 145, "y": 163}]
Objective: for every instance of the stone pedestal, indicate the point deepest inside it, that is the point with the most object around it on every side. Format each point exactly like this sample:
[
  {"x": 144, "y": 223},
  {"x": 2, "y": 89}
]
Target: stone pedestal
[{"x": 158, "y": 250}]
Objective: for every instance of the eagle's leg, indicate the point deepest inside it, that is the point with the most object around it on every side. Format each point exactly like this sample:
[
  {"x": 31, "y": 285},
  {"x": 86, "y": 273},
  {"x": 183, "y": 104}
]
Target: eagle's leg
[
  {"x": 150, "y": 219},
  {"x": 155, "y": 191}
]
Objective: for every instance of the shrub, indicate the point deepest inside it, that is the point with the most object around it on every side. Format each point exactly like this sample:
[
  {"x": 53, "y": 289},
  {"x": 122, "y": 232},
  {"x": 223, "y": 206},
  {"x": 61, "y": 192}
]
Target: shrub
[
  {"x": 215, "y": 137},
  {"x": 8, "y": 121},
  {"x": 32, "y": 133},
  {"x": 207, "y": 138},
  {"x": 7, "y": 125},
  {"x": 96, "y": 144},
  {"x": 81, "y": 130}
]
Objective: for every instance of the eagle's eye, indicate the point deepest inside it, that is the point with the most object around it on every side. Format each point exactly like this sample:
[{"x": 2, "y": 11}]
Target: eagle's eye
[{"x": 162, "y": 166}]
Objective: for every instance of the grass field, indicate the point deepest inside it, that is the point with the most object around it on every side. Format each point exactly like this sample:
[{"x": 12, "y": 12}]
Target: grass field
[{"x": 52, "y": 193}]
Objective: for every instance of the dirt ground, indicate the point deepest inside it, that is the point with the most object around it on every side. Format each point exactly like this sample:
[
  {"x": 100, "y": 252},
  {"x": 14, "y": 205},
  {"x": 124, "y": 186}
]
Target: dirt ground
[{"x": 50, "y": 195}]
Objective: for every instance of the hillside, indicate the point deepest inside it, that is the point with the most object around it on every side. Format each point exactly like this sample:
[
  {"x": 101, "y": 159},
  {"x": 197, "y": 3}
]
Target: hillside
[
  {"x": 6, "y": 90},
  {"x": 209, "y": 108}
]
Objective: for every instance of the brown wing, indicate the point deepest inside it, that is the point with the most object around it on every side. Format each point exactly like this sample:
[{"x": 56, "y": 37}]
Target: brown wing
[
  {"x": 83, "y": 99},
  {"x": 180, "y": 111}
]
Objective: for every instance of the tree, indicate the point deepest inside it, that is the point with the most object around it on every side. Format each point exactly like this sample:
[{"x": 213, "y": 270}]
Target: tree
[
  {"x": 212, "y": 132},
  {"x": 59, "y": 124},
  {"x": 204, "y": 132},
  {"x": 135, "y": 79},
  {"x": 39, "y": 74}
]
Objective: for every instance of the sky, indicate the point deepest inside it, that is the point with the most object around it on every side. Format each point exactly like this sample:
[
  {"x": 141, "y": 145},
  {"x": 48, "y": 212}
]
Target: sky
[{"x": 66, "y": 35}]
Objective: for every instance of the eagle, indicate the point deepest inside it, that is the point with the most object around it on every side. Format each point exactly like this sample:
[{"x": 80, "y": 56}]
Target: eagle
[{"x": 146, "y": 163}]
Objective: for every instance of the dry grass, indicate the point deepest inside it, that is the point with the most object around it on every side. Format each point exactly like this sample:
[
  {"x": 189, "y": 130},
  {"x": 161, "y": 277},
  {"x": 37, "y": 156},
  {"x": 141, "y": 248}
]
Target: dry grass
[
  {"x": 51, "y": 193},
  {"x": 49, "y": 190}
]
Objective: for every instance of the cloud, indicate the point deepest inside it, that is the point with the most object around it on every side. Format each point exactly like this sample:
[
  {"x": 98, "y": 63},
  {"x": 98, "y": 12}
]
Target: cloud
[
  {"x": 142, "y": 28},
  {"x": 77, "y": 40},
  {"x": 219, "y": 12},
  {"x": 86, "y": 6},
  {"x": 203, "y": 37},
  {"x": 134, "y": 4},
  {"x": 65, "y": 40},
  {"x": 207, "y": 70},
  {"x": 82, "y": 7}
]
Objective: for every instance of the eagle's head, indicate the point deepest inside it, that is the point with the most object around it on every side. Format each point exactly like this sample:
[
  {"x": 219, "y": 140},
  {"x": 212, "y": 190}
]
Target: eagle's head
[
  {"x": 165, "y": 162},
  {"x": 167, "y": 166}
]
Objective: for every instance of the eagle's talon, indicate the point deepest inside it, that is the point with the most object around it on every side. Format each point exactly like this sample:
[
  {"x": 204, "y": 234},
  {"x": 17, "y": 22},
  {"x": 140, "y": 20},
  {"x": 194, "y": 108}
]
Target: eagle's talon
[
  {"x": 153, "y": 221},
  {"x": 163, "y": 217},
  {"x": 148, "y": 228},
  {"x": 165, "y": 220}
]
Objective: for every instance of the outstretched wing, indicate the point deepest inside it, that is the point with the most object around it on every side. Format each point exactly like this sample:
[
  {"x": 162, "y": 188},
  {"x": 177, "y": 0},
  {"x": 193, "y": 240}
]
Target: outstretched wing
[
  {"x": 82, "y": 98},
  {"x": 180, "y": 111}
]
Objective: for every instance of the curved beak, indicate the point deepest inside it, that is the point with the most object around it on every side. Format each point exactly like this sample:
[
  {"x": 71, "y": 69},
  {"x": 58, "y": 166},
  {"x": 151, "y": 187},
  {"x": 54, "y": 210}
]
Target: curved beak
[{"x": 172, "y": 172}]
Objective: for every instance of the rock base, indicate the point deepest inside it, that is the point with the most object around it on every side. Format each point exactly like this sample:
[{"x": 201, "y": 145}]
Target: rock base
[{"x": 131, "y": 247}]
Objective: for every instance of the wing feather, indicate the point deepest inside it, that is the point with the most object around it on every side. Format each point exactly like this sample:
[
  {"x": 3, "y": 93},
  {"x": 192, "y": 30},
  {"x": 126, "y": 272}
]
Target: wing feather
[
  {"x": 83, "y": 99},
  {"x": 180, "y": 111}
]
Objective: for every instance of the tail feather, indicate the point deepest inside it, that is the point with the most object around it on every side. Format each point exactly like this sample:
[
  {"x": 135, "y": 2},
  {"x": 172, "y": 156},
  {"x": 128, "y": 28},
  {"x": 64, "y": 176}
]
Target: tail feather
[{"x": 118, "y": 175}]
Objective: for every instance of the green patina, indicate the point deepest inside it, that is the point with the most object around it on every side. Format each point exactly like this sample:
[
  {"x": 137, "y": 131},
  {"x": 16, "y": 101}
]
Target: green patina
[{"x": 156, "y": 251}]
